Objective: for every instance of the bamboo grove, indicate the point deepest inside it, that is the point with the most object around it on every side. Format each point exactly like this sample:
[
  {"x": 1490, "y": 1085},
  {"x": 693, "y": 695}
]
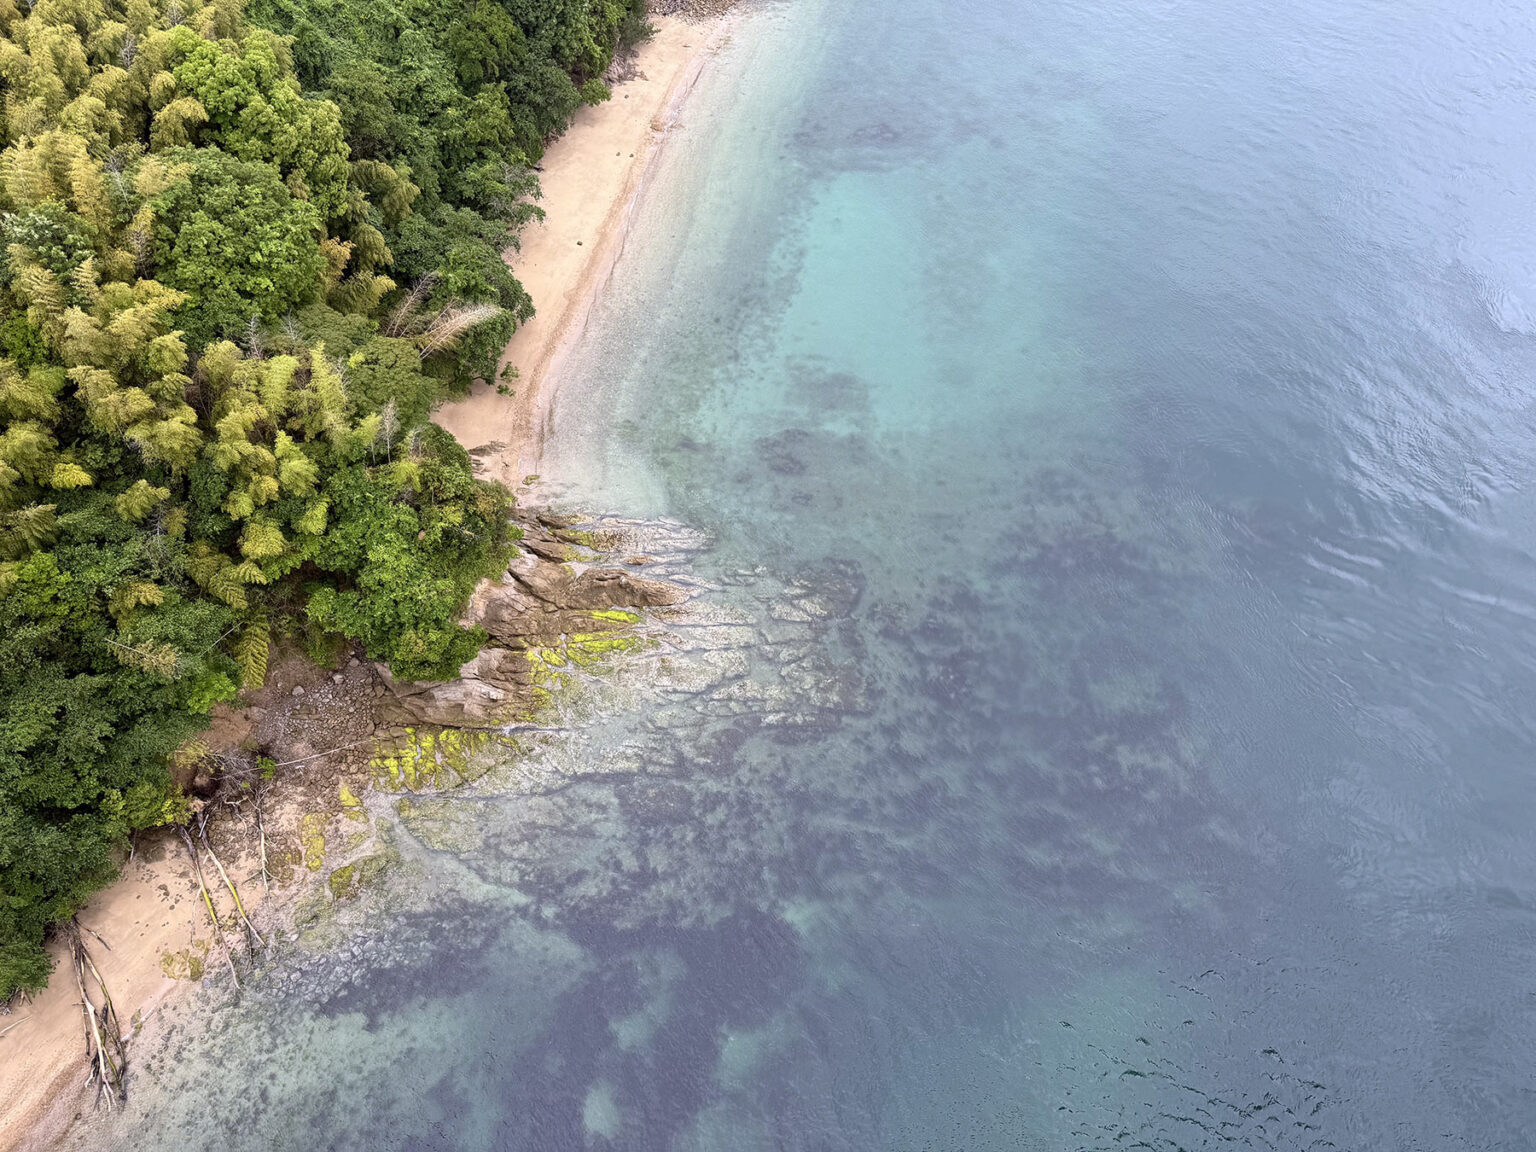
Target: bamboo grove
[{"x": 228, "y": 306}]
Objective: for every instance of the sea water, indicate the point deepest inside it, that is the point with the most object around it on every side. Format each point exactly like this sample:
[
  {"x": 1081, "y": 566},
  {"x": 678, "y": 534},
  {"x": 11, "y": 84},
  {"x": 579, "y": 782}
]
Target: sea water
[{"x": 1100, "y": 435}]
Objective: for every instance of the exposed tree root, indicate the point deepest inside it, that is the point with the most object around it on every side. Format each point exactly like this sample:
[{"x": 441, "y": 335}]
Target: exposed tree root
[
  {"x": 104, "y": 1048},
  {"x": 202, "y": 887}
]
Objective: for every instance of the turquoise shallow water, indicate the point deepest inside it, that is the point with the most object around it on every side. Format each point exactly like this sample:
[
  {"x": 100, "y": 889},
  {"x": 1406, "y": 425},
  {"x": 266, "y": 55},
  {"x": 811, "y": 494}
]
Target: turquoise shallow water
[{"x": 1103, "y": 433}]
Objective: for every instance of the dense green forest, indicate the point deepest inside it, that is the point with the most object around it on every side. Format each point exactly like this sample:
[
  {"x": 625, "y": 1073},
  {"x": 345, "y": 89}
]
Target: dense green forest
[{"x": 245, "y": 251}]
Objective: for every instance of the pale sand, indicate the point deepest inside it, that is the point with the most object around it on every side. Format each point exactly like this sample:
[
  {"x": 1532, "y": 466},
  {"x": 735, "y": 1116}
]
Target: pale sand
[
  {"x": 150, "y": 918},
  {"x": 152, "y": 912},
  {"x": 591, "y": 179},
  {"x": 591, "y": 182}
]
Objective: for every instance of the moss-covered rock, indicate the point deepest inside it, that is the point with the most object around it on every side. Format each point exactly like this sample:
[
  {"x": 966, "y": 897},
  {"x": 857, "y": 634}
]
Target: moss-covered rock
[
  {"x": 350, "y": 879},
  {"x": 187, "y": 964},
  {"x": 312, "y": 840}
]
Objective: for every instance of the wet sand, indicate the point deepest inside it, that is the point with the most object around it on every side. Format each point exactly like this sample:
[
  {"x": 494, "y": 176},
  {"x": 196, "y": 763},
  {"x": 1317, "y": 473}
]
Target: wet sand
[
  {"x": 152, "y": 919},
  {"x": 591, "y": 179}
]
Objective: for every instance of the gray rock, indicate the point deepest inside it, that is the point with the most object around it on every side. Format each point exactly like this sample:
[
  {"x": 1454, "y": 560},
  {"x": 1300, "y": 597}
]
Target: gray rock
[
  {"x": 541, "y": 601},
  {"x": 494, "y": 688}
]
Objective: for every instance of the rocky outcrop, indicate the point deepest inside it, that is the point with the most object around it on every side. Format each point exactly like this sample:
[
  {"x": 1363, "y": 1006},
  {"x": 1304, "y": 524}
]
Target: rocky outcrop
[
  {"x": 493, "y": 689},
  {"x": 540, "y": 601},
  {"x": 547, "y": 596},
  {"x": 698, "y": 10}
]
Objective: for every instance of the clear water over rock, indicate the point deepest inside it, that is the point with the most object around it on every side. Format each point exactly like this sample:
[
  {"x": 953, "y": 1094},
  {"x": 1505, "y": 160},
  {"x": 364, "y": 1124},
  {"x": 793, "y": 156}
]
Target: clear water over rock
[{"x": 1096, "y": 440}]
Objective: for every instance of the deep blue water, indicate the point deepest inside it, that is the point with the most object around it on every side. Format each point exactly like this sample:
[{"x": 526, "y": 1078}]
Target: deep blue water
[{"x": 1110, "y": 425}]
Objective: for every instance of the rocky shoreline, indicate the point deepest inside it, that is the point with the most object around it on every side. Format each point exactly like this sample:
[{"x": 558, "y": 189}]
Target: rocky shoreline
[
  {"x": 410, "y": 827},
  {"x": 696, "y": 10},
  {"x": 560, "y": 603},
  {"x": 571, "y": 600},
  {"x": 298, "y": 790},
  {"x": 333, "y": 735},
  {"x": 555, "y": 606}
]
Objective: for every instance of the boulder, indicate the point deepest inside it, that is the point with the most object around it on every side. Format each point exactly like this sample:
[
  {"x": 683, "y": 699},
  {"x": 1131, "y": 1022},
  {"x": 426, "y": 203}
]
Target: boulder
[
  {"x": 493, "y": 689},
  {"x": 542, "y": 601},
  {"x": 606, "y": 588}
]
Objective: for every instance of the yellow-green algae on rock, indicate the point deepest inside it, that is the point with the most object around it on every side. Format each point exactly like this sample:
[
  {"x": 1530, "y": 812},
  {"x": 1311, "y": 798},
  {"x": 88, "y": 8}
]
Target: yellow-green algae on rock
[
  {"x": 587, "y": 648},
  {"x": 616, "y": 616},
  {"x": 431, "y": 758},
  {"x": 187, "y": 964},
  {"x": 351, "y": 806},
  {"x": 554, "y": 665},
  {"x": 350, "y": 879},
  {"x": 312, "y": 839}
]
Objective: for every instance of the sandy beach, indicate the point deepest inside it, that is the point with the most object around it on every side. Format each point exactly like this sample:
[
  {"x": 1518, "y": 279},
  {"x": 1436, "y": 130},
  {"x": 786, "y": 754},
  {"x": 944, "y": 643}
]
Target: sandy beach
[
  {"x": 155, "y": 931},
  {"x": 150, "y": 937},
  {"x": 158, "y": 935},
  {"x": 591, "y": 180}
]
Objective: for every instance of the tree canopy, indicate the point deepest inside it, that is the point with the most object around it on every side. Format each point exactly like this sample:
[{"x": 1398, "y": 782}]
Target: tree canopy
[
  {"x": 242, "y": 257},
  {"x": 461, "y": 97}
]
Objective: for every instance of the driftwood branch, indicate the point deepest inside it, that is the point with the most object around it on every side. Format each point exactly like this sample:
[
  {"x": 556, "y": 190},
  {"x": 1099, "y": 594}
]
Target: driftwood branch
[
  {"x": 104, "y": 1048},
  {"x": 233, "y": 891},
  {"x": 202, "y": 887},
  {"x": 261, "y": 838}
]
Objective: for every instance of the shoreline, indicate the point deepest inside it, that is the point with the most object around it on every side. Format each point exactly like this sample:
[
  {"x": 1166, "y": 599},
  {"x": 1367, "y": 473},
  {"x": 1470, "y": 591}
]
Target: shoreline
[
  {"x": 156, "y": 932},
  {"x": 592, "y": 179},
  {"x": 349, "y": 741},
  {"x": 149, "y": 931}
]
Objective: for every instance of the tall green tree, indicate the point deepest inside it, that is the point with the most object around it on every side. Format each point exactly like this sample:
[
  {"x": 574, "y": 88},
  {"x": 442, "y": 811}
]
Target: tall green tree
[
  {"x": 463, "y": 97},
  {"x": 170, "y": 496}
]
